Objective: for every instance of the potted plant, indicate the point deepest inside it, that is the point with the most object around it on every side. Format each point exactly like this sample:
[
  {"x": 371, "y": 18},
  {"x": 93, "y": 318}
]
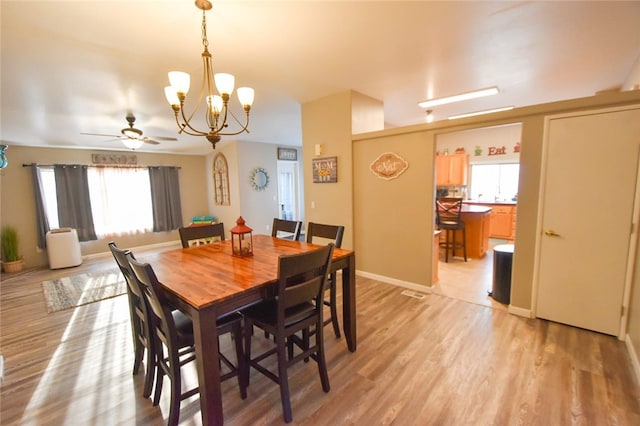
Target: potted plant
[{"x": 11, "y": 259}]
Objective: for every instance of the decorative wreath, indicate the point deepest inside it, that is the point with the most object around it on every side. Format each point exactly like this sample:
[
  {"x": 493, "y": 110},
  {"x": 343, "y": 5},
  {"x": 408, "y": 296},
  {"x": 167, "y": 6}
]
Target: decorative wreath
[{"x": 259, "y": 179}]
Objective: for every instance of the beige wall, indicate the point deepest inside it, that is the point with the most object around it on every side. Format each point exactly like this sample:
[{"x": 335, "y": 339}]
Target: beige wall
[
  {"x": 393, "y": 216},
  {"x": 383, "y": 210},
  {"x": 18, "y": 205},
  {"x": 327, "y": 121},
  {"x": 258, "y": 208}
]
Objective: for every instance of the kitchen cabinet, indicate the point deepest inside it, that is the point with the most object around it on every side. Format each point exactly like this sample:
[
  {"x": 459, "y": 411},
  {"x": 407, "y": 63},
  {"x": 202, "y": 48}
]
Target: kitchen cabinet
[
  {"x": 502, "y": 221},
  {"x": 451, "y": 170}
]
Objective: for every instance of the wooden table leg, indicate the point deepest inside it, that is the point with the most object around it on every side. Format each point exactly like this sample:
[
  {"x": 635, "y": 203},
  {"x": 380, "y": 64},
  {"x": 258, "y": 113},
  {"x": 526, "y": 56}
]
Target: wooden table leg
[
  {"x": 205, "y": 335},
  {"x": 349, "y": 302}
]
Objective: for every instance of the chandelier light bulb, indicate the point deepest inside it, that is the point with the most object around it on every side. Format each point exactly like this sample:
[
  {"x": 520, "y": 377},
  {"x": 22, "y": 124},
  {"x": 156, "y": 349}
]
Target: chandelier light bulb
[
  {"x": 224, "y": 83},
  {"x": 180, "y": 81},
  {"x": 172, "y": 96},
  {"x": 245, "y": 96}
]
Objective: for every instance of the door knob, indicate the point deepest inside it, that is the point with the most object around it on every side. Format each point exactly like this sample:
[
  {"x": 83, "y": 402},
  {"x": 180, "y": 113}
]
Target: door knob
[{"x": 551, "y": 233}]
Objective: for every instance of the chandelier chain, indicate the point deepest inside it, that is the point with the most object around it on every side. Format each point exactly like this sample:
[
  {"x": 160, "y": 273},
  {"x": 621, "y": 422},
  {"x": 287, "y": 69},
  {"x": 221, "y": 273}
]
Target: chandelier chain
[{"x": 205, "y": 42}]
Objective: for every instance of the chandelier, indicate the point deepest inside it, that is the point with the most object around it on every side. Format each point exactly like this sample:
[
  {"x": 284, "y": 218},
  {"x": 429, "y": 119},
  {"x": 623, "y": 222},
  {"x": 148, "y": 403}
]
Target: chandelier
[{"x": 216, "y": 104}]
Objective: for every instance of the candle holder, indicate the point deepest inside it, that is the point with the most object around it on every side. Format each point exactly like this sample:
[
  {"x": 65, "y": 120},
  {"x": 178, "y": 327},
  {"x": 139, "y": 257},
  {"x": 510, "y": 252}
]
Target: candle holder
[{"x": 241, "y": 239}]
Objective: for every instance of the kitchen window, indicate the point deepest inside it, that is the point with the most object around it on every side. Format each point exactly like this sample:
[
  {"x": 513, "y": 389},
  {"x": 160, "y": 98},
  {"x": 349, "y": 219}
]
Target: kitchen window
[{"x": 494, "y": 182}]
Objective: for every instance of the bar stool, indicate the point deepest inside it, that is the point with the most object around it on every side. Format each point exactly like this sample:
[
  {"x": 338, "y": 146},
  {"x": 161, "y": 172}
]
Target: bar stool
[{"x": 449, "y": 220}]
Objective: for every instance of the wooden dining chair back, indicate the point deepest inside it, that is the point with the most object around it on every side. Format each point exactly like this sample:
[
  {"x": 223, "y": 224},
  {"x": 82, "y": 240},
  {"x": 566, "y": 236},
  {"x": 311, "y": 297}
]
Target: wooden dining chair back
[
  {"x": 286, "y": 229},
  {"x": 297, "y": 307},
  {"x": 449, "y": 220},
  {"x": 321, "y": 234},
  {"x": 201, "y": 234},
  {"x": 174, "y": 341},
  {"x": 140, "y": 332}
]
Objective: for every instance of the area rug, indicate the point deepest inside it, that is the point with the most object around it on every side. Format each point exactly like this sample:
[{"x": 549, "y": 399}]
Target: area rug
[{"x": 82, "y": 289}]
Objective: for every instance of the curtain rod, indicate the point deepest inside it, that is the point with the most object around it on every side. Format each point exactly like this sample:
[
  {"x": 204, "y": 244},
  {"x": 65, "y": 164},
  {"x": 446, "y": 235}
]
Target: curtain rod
[{"x": 127, "y": 166}]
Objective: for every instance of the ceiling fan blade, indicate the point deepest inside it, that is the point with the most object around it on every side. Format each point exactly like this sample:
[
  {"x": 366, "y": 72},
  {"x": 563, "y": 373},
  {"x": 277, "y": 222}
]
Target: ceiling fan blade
[
  {"x": 101, "y": 134},
  {"x": 165, "y": 138},
  {"x": 151, "y": 141}
]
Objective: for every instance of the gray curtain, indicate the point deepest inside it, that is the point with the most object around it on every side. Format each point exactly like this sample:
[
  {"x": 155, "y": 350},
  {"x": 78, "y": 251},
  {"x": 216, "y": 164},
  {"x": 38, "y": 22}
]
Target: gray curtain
[
  {"x": 165, "y": 198},
  {"x": 74, "y": 202},
  {"x": 42, "y": 223}
]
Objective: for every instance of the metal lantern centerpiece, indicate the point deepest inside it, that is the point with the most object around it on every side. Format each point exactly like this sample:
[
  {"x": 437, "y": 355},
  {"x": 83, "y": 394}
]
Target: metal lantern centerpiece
[{"x": 241, "y": 239}]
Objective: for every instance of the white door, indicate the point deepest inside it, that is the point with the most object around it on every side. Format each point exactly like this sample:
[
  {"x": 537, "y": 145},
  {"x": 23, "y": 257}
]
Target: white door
[
  {"x": 288, "y": 190},
  {"x": 588, "y": 196}
]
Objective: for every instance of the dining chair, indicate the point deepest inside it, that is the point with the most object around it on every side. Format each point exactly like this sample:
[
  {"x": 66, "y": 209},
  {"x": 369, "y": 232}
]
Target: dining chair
[
  {"x": 172, "y": 332},
  {"x": 449, "y": 220},
  {"x": 287, "y": 229},
  {"x": 296, "y": 307},
  {"x": 140, "y": 331},
  {"x": 320, "y": 234},
  {"x": 201, "y": 234}
]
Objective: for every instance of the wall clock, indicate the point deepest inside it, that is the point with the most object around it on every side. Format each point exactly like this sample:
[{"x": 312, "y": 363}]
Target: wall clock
[{"x": 259, "y": 179}]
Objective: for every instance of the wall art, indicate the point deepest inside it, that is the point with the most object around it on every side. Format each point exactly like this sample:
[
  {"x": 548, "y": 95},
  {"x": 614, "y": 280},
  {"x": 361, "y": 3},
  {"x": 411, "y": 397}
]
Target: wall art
[
  {"x": 389, "y": 166},
  {"x": 325, "y": 170}
]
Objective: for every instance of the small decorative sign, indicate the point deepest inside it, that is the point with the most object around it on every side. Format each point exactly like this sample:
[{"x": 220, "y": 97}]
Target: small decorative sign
[
  {"x": 122, "y": 159},
  {"x": 289, "y": 154},
  {"x": 389, "y": 166},
  {"x": 325, "y": 170}
]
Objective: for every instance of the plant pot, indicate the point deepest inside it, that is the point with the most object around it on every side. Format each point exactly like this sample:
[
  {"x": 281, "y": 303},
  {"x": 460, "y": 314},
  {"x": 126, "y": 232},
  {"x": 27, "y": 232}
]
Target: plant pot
[{"x": 15, "y": 266}]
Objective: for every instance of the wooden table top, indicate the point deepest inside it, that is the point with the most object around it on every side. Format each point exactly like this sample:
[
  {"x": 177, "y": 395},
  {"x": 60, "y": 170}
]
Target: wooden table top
[{"x": 209, "y": 273}]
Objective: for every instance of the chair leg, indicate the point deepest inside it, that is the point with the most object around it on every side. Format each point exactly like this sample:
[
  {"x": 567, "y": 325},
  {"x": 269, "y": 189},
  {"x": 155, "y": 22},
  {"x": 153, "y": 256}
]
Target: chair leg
[
  {"x": 322, "y": 363},
  {"x": 446, "y": 245},
  {"x": 283, "y": 379},
  {"x": 149, "y": 372},
  {"x": 248, "y": 333},
  {"x": 176, "y": 385},
  {"x": 240, "y": 359},
  {"x": 464, "y": 243}
]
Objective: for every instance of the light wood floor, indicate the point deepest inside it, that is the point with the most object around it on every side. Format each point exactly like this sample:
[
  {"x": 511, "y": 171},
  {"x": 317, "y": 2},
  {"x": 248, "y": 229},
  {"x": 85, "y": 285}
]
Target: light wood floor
[
  {"x": 470, "y": 281},
  {"x": 435, "y": 361}
]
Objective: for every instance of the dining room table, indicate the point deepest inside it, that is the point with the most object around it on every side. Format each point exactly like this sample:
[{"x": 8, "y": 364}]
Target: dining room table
[{"x": 208, "y": 281}]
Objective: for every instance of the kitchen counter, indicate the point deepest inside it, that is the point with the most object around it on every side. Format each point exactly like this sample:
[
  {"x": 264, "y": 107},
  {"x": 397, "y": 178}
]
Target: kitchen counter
[
  {"x": 489, "y": 203},
  {"x": 472, "y": 208},
  {"x": 476, "y": 223}
]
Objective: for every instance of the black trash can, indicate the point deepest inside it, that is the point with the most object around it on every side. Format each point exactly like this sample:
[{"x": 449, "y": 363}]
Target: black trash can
[{"x": 502, "y": 260}]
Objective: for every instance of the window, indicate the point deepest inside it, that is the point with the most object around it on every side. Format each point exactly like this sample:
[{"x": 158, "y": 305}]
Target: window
[
  {"x": 115, "y": 211},
  {"x": 494, "y": 182},
  {"x": 120, "y": 201}
]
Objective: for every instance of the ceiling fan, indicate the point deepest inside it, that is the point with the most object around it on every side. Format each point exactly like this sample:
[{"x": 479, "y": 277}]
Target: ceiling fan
[{"x": 133, "y": 138}]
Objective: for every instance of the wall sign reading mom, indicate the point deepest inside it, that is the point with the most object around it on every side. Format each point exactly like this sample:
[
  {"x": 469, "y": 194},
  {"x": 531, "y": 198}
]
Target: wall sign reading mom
[
  {"x": 389, "y": 166},
  {"x": 325, "y": 170}
]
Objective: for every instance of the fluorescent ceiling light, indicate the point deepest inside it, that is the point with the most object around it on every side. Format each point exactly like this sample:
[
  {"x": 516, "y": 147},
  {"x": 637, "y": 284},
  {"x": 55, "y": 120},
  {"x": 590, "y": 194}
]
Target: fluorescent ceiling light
[
  {"x": 487, "y": 111},
  {"x": 461, "y": 97}
]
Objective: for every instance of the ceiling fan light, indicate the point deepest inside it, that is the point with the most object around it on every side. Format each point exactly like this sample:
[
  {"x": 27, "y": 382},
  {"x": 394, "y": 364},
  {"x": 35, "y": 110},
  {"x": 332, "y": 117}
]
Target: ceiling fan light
[
  {"x": 224, "y": 83},
  {"x": 171, "y": 95},
  {"x": 132, "y": 133},
  {"x": 132, "y": 143},
  {"x": 245, "y": 96},
  {"x": 180, "y": 81}
]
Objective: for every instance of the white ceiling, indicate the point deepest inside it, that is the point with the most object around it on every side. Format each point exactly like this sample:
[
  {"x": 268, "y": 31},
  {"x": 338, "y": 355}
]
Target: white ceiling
[{"x": 79, "y": 66}]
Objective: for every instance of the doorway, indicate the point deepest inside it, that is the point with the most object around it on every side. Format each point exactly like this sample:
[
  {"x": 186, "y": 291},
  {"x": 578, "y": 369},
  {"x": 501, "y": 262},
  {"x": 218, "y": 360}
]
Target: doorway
[
  {"x": 288, "y": 189},
  {"x": 492, "y": 153}
]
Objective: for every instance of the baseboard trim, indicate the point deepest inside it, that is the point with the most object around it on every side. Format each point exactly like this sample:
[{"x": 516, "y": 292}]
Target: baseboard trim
[
  {"x": 634, "y": 357},
  {"x": 396, "y": 282},
  {"x": 133, "y": 249},
  {"x": 521, "y": 312}
]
